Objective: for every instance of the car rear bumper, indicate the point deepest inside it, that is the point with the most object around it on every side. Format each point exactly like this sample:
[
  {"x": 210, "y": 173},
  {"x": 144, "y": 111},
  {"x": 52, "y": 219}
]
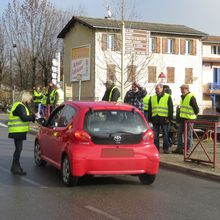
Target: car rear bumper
[{"x": 110, "y": 166}]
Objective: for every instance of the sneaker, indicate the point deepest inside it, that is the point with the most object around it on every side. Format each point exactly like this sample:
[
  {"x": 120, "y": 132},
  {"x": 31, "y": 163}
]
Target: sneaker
[{"x": 177, "y": 151}]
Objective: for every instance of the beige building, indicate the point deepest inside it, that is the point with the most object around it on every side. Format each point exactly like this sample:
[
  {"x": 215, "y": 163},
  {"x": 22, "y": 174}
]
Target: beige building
[
  {"x": 211, "y": 70},
  {"x": 92, "y": 54}
]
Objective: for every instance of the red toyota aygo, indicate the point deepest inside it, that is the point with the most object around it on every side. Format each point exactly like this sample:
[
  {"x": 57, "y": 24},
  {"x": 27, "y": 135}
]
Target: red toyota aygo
[{"x": 97, "y": 138}]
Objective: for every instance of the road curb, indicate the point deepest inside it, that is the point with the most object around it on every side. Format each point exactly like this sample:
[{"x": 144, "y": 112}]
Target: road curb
[{"x": 192, "y": 171}]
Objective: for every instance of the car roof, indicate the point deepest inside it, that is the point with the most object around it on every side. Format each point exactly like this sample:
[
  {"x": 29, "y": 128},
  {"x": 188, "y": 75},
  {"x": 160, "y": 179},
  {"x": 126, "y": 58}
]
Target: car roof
[{"x": 101, "y": 105}]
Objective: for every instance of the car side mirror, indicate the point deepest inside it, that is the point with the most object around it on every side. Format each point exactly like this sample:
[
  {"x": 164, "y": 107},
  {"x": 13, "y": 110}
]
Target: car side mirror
[{"x": 41, "y": 121}]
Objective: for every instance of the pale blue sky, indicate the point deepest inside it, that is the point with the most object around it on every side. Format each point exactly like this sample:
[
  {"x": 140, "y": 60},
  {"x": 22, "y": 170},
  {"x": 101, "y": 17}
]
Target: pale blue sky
[{"x": 199, "y": 14}]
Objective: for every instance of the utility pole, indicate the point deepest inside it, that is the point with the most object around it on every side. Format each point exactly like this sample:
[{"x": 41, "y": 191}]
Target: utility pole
[
  {"x": 11, "y": 74},
  {"x": 122, "y": 48}
]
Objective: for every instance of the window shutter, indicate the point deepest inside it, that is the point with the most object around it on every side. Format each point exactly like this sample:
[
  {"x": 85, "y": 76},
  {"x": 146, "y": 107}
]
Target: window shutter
[
  {"x": 188, "y": 75},
  {"x": 104, "y": 42},
  {"x": 131, "y": 73},
  {"x": 164, "y": 46},
  {"x": 117, "y": 43},
  {"x": 182, "y": 46},
  {"x": 176, "y": 46},
  {"x": 193, "y": 47},
  {"x": 158, "y": 45},
  {"x": 170, "y": 75},
  {"x": 152, "y": 74}
]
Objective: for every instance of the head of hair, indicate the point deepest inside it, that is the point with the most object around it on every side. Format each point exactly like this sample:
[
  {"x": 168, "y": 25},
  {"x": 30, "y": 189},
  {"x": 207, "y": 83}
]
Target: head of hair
[{"x": 25, "y": 96}]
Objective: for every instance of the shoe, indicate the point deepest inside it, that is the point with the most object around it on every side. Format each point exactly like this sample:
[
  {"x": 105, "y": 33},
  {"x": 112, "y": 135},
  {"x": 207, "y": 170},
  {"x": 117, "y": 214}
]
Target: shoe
[
  {"x": 166, "y": 151},
  {"x": 177, "y": 151},
  {"x": 17, "y": 170}
]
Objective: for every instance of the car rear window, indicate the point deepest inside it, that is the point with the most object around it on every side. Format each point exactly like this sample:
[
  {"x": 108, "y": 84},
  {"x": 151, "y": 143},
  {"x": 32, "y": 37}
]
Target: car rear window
[{"x": 113, "y": 121}]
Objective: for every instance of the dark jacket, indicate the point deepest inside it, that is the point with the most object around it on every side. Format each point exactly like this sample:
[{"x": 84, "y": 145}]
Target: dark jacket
[
  {"x": 21, "y": 112},
  {"x": 115, "y": 94},
  {"x": 159, "y": 119},
  {"x": 136, "y": 98}
]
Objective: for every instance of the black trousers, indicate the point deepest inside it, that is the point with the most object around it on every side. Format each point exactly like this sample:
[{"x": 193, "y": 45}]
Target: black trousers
[{"x": 18, "y": 149}]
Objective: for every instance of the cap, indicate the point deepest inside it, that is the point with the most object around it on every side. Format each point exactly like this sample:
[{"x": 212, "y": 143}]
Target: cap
[{"x": 185, "y": 86}]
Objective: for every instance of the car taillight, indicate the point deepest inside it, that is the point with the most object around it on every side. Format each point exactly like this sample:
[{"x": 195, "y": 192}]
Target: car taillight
[
  {"x": 82, "y": 136},
  {"x": 148, "y": 136}
]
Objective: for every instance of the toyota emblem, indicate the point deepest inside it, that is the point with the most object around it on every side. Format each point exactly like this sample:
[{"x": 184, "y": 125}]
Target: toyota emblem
[{"x": 117, "y": 138}]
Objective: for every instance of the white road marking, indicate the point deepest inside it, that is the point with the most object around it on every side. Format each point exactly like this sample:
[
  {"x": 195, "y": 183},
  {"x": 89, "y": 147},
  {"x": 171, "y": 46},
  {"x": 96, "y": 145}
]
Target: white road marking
[
  {"x": 3, "y": 125},
  {"x": 27, "y": 180},
  {"x": 93, "y": 209}
]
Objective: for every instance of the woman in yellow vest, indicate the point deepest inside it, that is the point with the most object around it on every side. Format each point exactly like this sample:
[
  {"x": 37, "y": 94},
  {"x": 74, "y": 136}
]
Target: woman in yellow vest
[{"x": 18, "y": 126}]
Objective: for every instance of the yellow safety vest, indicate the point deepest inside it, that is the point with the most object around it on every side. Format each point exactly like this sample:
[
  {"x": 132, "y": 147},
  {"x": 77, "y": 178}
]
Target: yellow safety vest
[
  {"x": 110, "y": 94},
  {"x": 146, "y": 102},
  {"x": 160, "y": 108},
  {"x": 186, "y": 111},
  {"x": 37, "y": 97},
  {"x": 52, "y": 96},
  {"x": 15, "y": 124}
]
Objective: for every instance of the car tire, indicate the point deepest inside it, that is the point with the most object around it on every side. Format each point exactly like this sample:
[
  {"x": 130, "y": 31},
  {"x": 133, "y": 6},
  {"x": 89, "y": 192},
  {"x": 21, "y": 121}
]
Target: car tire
[
  {"x": 37, "y": 156},
  {"x": 147, "y": 179},
  {"x": 67, "y": 177}
]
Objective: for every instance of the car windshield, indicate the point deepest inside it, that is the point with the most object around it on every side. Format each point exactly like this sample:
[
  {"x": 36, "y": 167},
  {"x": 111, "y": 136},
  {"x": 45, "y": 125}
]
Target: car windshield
[{"x": 113, "y": 121}]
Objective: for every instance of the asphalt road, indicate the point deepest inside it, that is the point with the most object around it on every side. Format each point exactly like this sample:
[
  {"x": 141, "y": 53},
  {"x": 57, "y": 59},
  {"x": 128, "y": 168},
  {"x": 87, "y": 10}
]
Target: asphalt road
[{"x": 41, "y": 195}]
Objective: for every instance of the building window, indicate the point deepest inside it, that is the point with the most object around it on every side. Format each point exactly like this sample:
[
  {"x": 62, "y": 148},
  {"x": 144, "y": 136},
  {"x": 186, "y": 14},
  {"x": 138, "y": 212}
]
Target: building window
[
  {"x": 189, "y": 75},
  {"x": 111, "y": 42},
  {"x": 131, "y": 73},
  {"x": 170, "y": 74},
  {"x": 152, "y": 74},
  {"x": 111, "y": 72},
  {"x": 170, "y": 45},
  {"x": 187, "y": 47},
  {"x": 153, "y": 44},
  {"x": 215, "y": 49}
]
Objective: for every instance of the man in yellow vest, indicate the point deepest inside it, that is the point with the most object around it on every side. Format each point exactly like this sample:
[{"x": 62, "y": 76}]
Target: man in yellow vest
[
  {"x": 37, "y": 96},
  {"x": 112, "y": 93},
  {"x": 188, "y": 111},
  {"x": 18, "y": 126},
  {"x": 160, "y": 113}
]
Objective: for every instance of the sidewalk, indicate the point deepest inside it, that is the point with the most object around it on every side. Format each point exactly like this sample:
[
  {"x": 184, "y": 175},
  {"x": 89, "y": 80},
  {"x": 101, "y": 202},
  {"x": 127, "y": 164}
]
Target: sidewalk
[{"x": 176, "y": 161}]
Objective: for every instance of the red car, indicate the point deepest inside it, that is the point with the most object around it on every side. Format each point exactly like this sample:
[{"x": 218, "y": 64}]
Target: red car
[{"x": 97, "y": 138}]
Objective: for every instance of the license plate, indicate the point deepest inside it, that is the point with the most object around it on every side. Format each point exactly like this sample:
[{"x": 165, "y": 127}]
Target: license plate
[{"x": 118, "y": 152}]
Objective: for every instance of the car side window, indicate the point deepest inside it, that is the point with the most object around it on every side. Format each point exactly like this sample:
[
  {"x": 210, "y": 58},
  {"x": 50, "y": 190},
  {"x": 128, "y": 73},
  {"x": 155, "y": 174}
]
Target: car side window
[
  {"x": 54, "y": 118},
  {"x": 66, "y": 116}
]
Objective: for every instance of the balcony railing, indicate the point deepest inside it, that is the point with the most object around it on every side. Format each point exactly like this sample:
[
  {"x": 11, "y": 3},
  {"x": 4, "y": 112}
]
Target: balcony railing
[{"x": 214, "y": 86}]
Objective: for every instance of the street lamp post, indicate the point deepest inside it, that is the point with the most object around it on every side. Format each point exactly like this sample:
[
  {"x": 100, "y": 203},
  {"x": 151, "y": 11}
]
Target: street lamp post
[
  {"x": 122, "y": 48},
  {"x": 79, "y": 78}
]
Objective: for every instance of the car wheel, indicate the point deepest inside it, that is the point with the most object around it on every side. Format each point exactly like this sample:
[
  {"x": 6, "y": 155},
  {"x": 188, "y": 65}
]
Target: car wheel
[
  {"x": 67, "y": 177},
  {"x": 37, "y": 156},
  {"x": 146, "y": 179}
]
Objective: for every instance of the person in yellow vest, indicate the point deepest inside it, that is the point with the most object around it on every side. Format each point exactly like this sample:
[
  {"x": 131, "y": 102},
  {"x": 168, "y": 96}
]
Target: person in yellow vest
[
  {"x": 112, "y": 93},
  {"x": 59, "y": 96},
  {"x": 160, "y": 113},
  {"x": 18, "y": 126},
  {"x": 146, "y": 103},
  {"x": 188, "y": 110},
  {"x": 37, "y": 96}
]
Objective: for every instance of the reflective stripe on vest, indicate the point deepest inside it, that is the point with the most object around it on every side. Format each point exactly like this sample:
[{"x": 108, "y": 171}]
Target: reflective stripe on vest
[
  {"x": 160, "y": 108},
  {"x": 186, "y": 111},
  {"x": 15, "y": 124},
  {"x": 146, "y": 101},
  {"x": 110, "y": 94}
]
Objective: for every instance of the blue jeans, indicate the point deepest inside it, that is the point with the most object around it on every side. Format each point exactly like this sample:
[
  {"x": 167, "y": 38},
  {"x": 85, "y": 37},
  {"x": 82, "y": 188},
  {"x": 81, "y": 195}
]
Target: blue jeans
[
  {"x": 180, "y": 136},
  {"x": 164, "y": 128}
]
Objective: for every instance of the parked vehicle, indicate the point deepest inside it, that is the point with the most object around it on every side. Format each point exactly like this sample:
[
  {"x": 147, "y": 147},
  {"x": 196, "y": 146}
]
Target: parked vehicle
[{"x": 97, "y": 138}]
